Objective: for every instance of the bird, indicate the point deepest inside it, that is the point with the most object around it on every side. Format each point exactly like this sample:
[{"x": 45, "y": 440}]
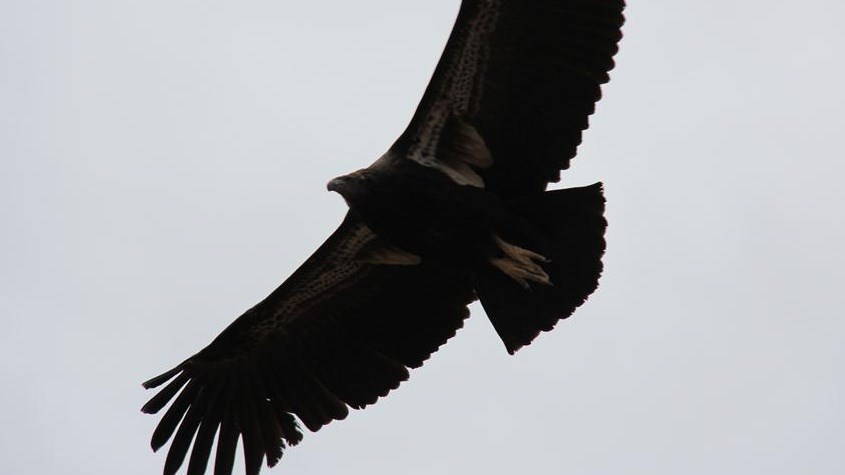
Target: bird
[{"x": 456, "y": 210}]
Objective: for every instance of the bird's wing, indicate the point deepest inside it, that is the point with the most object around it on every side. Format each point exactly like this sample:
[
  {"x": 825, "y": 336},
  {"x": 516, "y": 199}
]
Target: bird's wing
[
  {"x": 513, "y": 91},
  {"x": 341, "y": 331}
]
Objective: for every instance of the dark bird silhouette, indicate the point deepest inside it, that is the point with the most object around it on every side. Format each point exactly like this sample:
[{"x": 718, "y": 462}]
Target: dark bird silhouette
[{"x": 455, "y": 210}]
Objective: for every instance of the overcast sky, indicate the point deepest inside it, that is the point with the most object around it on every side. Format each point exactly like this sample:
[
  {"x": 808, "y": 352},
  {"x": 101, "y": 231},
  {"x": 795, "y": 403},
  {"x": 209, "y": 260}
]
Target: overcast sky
[{"x": 163, "y": 167}]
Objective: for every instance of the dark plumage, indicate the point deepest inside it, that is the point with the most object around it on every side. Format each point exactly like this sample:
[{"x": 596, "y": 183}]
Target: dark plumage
[{"x": 455, "y": 210}]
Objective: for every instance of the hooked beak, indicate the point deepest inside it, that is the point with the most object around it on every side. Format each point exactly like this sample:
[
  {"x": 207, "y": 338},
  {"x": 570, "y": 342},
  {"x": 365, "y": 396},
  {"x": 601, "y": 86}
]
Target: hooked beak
[{"x": 336, "y": 184}]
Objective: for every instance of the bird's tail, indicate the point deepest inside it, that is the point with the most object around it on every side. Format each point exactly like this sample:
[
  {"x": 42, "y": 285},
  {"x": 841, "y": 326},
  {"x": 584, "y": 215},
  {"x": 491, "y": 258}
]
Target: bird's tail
[{"x": 562, "y": 231}]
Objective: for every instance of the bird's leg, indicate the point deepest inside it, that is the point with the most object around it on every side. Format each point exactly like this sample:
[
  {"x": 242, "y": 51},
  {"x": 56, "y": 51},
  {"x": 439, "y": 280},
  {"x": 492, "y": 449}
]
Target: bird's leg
[{"x": 521, "y": 265}]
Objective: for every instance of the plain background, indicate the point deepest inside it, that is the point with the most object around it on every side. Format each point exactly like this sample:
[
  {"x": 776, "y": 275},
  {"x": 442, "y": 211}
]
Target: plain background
[{"x": 164, "y": 167}]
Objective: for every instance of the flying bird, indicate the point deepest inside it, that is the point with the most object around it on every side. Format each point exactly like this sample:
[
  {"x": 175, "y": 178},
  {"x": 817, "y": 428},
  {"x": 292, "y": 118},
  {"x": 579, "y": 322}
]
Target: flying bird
[{"x": 456, "y": 210}]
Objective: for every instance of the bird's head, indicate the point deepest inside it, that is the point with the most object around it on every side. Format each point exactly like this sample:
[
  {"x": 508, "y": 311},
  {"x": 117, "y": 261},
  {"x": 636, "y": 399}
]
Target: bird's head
[{"x": 351, "y": 185}]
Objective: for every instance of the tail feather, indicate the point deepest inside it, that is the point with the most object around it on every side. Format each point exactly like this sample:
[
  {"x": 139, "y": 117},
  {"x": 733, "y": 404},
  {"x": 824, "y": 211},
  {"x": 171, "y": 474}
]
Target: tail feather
[{"x": 567, "y": 227}]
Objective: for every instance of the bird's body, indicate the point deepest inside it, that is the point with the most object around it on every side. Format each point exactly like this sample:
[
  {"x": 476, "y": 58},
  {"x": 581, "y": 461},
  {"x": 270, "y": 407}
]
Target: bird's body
[
  {"x": 456, "y": 210},
  {"x": 422, "y": 211}
]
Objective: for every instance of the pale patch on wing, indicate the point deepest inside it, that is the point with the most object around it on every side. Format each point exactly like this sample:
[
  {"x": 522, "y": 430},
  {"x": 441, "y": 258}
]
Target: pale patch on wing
[
  {"x": 461, "y": 142},
  {"x": 378, "y": 252},
  {"x": 459, "y": 95},
  {"x": 463, "y": 150},
  {"x": 336, "y": 270},
  {"x": 351, "y": 259},
  {"x": 460, "y": 151}
]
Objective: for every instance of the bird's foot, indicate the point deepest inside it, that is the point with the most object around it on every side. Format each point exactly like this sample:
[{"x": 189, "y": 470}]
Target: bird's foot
[{"x": 521, "y": 265}]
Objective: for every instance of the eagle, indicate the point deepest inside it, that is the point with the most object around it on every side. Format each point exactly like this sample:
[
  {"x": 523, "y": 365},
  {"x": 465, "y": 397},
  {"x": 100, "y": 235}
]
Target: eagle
[{"x": 456, "y": 210}]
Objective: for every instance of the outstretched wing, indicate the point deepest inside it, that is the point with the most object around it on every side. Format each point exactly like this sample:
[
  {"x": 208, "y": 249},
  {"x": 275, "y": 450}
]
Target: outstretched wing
[
  {"x": 513, "y": 91},
  {"x": 339, "y": 333}
]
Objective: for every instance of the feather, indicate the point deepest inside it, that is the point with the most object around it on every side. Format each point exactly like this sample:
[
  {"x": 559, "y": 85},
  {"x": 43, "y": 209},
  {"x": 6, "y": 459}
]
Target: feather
[
  {"x": 165, "y": 395},
  {"x": 174, "y": 414}
]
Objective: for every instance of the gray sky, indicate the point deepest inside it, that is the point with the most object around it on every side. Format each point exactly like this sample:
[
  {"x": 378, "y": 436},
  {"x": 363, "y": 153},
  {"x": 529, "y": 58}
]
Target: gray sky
[{"x": 164, "y": 167}]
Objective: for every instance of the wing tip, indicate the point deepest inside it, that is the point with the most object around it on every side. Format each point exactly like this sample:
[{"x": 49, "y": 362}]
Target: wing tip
[{"x": 162, "y": 378}]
